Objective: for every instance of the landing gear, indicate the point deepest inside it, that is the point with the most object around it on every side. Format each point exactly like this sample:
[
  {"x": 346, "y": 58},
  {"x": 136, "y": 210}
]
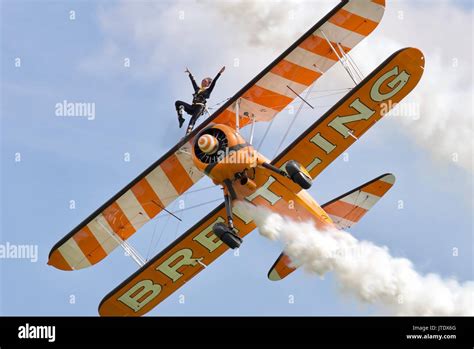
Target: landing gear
[
  {"x": 226, "y": 232},
  {"x": 298, "y": 174},
  {"x": 294, "y": 171},
  {"x": 227, "y": 235}
]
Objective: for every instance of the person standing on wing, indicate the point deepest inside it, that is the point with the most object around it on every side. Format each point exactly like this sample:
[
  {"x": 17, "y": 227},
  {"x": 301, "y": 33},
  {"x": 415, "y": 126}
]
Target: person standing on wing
[{"x": 200, "y": 95}]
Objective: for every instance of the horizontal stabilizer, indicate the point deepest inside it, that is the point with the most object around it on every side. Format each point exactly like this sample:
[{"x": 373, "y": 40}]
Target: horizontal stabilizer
[
  {"x": 345, "y": 211},
  {"x": 349, "y": 208}
]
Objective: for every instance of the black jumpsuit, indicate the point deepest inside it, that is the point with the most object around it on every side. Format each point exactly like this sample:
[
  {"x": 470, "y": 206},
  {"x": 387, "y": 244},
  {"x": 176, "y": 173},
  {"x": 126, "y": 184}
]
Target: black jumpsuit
[{"x": 199, "y": 101}]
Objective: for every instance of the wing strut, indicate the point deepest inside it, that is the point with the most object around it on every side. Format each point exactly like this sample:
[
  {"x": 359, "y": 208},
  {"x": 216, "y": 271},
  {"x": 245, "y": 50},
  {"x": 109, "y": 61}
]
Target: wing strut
[
  {"x": 351, "y": 62},
  {"x": 237, "y": 117},
  {"x": 129, "y": 250},
  {"x": 343, "y": 61},
  {"x": 252, "y": 130}
]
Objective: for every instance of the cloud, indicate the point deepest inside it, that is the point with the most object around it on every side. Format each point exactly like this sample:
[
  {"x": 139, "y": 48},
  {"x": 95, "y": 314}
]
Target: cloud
[{"x": 444, "y": 126}]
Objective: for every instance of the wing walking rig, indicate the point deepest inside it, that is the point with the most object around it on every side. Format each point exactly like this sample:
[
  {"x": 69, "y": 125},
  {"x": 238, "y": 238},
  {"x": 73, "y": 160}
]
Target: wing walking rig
[{"x": 209, "y": 149}]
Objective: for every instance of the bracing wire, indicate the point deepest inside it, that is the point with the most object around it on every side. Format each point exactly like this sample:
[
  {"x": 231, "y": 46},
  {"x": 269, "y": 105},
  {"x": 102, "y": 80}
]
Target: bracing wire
[
  {"x": 168, "y": 216},
  {"x": 302, "y": 104}
]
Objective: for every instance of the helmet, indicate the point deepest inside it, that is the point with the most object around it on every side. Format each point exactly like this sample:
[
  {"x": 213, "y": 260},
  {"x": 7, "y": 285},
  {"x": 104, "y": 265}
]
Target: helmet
[{"x": 206, "y": 82}]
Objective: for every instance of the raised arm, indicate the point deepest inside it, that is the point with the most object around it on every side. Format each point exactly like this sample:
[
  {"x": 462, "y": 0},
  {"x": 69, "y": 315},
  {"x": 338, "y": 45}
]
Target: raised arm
[
  {"x": 191, "y": 77},
  {"x": 213, "y": 83}
]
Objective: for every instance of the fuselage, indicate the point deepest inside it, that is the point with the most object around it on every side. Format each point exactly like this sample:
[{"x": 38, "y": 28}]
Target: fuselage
[{"x": 235, "y": 160}]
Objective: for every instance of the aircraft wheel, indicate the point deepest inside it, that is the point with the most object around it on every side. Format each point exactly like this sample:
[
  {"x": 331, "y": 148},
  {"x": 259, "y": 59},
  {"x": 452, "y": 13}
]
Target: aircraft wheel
[
  {"x": 226, "y": 235},
  {"x": 298, "y": 174}
]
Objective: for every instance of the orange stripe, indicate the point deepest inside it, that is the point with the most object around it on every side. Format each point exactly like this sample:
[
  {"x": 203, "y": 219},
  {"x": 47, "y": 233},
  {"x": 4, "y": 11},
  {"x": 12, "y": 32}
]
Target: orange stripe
[
  {"x": 57, "y": 260},
  {"x": 321, "y": 47},
  {"x": 282, "y": 266},
  {"x": 267, "y": 98},
  {"x": 228, "y": 117},
  {"x": 147, "y": 197},
  {"x": 295, "y": 73},
  {"x": 377, "y": 188},
  {"x": 89, "y": 245},
  {"x": 118, "y": 221},
  {"x": 176, "y": 173},
  {"x": 353, "y": 22},
  {"x": 379, "y": 2},
  {"x": 344, "y": 210}
]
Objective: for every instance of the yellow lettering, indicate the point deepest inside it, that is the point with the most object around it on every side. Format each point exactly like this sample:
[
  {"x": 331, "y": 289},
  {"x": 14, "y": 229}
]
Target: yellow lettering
[
  {"x": 265, "y": 192},
  {"x": 322, "y": 143},
  {"x": 396, "y": 85},
  {"x": 339, "y": 122},
  {"x": 181, "y": 257},
  {"x": 134, "y": 297}
]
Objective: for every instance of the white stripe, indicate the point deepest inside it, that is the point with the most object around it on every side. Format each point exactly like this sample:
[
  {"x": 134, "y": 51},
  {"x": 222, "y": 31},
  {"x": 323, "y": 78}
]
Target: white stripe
[
  {"x": 73, "y": 254},
  {"x": 310, "y": 60},
  {"x": 334, "y": 33},
  {"x": 102, "y": 231},
  {"x": 366, "y": 9},
  {"x": 274, "y": 276},
  {"x": 162, "y": 186},
  {"x": 390, "y": 179},
  {"x": 279, "y": 84},
  {"x": 132, "y": 209},
  {"x": 184, "y": 157},
  {"x": 261, "y": 112},
  {"x": 361, "y": 199},
  {"x": 341, "y": 223}
]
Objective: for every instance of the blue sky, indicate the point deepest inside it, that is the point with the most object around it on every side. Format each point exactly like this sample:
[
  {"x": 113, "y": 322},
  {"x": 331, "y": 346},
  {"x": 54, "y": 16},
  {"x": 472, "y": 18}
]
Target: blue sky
[{"x": 65, "y": 159}]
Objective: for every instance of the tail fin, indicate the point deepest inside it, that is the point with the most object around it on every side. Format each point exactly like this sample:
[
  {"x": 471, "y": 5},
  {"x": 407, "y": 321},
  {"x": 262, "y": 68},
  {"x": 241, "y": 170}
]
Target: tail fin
[{"x": 345, "y": 211}]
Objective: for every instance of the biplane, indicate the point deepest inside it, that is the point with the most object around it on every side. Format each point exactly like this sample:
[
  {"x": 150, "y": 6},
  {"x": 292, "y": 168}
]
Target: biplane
[{"x": 217, "y": 149}]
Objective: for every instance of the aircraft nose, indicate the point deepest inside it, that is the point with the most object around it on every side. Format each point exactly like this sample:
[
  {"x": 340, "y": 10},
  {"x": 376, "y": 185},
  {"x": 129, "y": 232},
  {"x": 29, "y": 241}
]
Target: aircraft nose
[{"x": 208, "y": 144}]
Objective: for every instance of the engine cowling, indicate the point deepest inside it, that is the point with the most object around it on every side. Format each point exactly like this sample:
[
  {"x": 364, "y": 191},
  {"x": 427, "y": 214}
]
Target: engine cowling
[{"x": 221, "y": 153}]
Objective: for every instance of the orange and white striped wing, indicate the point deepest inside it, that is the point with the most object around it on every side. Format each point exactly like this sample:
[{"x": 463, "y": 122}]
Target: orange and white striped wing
[
  {"x": 345, "y": 211},
  {"x": 349, "y": 208},
  {"x": 304, "y": 62},
  {"x": 121, "y": 216}
]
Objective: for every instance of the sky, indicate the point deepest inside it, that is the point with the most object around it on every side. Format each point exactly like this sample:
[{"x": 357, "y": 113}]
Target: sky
[{"x": 50, "y": 54}]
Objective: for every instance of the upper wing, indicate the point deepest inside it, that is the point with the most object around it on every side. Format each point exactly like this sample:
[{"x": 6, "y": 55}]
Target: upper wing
[
  {"x": 355, "y": 113},
  {"x": 302, "y": 63},
  {"x": 171, "y": 268},
  {"x": 121, "y": 216}
]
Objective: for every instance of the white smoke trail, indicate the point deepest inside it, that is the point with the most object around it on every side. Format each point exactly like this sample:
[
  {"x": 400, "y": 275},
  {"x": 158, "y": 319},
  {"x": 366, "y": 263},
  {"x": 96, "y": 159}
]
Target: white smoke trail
[{"x": 363, "y": 269}]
